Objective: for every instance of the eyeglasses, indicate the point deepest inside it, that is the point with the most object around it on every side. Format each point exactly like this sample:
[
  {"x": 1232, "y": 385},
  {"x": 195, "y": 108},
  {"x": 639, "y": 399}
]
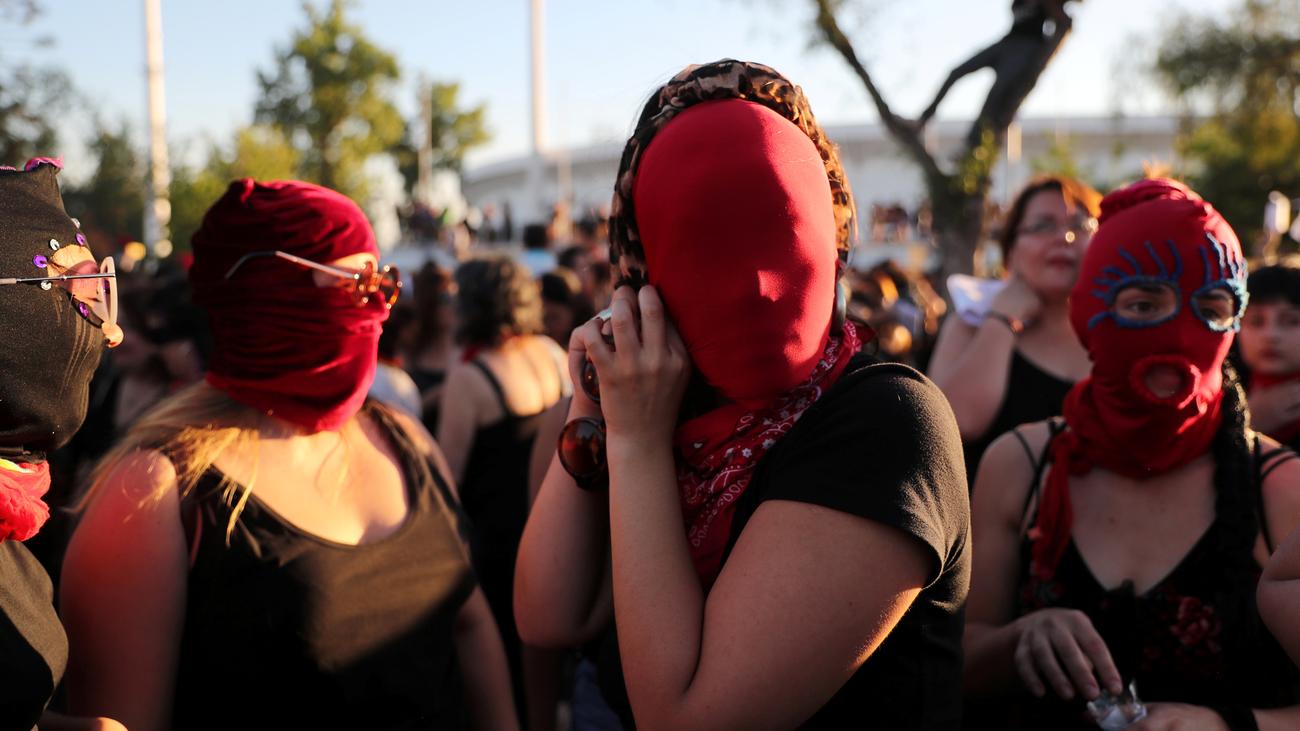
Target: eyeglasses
[
  {"x": 383, "y": 283},
  {"x": 581, "y": 447},
  {"x": 98, "y": 303},
  {"x": 1073, "y": 228}
]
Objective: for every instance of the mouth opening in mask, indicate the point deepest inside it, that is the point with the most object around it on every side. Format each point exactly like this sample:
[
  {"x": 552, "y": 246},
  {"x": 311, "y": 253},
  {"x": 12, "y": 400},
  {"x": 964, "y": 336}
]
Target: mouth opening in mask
[{"x": 1167, "y": 380}]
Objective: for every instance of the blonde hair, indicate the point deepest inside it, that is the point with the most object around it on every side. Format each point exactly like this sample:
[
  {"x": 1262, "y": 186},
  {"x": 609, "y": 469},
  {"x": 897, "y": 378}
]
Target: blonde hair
[{"x": 191, "y": 428}]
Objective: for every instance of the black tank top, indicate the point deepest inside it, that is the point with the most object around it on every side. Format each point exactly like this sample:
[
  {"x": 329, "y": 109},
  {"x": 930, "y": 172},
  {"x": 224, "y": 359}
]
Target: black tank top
[
  {"x": 1195, "y": 637},
  {"x": 285, "y": 629},
  {"x": 1032, "y": 395}
]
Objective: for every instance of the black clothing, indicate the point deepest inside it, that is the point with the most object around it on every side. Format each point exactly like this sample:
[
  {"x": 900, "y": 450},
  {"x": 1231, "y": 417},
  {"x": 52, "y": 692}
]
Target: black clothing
[
  {"x": 1032, "y": 395},
  {"x": 33, "y": 648},
  {"x": 425, "y": 381},
  {"x": 1195, "y": 637},
  {"x": 882, "y": 444},
  {"x": 494, "y": 492},
  {"x": 285, "y": 629}
]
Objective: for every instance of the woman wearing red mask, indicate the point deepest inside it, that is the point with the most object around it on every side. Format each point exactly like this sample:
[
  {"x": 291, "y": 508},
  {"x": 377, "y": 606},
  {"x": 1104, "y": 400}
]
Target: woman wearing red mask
[
  {"x": 1123, "y": 543},
  {"x": 785, "y": 539},
  {"x": 268, "y": 549}
]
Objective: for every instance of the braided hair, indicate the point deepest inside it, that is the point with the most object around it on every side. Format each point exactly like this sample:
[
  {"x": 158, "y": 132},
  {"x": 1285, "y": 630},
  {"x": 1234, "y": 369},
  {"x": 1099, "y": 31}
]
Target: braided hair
[{"x": 725, "y": 79}]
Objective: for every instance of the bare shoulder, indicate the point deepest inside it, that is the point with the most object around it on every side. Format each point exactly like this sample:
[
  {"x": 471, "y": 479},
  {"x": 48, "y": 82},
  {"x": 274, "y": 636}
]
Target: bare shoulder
[
  {"x": 1007, "y": 469},
  {"x": 1281, "y": 491}
]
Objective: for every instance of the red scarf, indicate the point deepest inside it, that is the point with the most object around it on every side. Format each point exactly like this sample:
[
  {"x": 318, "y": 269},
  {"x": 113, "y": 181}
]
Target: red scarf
[
  {"x": 736, "y": 216},
  {"x": 22, "y": 512},
  {"x": 1151, "y": 231},
  {"x": 717, "y": 454},
  {"x": 1286, "y": 433},
  {"x": 284, "y": 346}
]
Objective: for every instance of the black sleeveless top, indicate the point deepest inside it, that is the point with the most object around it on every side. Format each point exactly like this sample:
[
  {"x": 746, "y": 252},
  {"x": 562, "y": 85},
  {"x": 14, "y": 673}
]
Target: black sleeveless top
[
  {"x": 285, "y": 629},
  {"x": 1195, "y": 637},
  {"x": 1032, "y": 395}
]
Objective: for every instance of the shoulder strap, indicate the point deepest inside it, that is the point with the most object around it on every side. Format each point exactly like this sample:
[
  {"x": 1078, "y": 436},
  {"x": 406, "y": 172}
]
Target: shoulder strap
[
  {"x": 1055, "y": 426},
  {"x": 494, "y": 383},
  {"x": 1265, "y": 463}
]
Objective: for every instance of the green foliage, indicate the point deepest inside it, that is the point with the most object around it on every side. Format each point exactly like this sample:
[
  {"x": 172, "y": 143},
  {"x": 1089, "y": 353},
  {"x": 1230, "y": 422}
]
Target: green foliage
[
  {"x": 454, "y": 132},
  {"x": 31, "y": 98},
  {"x": 1058, "y": 159},
  {"x": 110, "y": 203},
  {"x": 330, "y": 95},
  {"x": 1243, "y": 78},
  {"x": 256, "y": 152}
]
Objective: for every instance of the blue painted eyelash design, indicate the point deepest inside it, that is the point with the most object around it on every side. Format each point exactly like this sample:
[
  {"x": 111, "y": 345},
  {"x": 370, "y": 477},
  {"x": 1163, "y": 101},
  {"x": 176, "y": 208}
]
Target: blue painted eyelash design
[
  {"x": 1116, "y": 279},
  {"x": 1225, "y": 271},
  {"x": 1231, "y": 275}
]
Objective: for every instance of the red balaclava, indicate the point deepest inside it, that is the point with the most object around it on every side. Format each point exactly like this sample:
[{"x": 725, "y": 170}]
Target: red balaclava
[
  {"x": 284, "y": 346},
  {"x": 1153, "y": 231},
  {"x": 735, "y": 213}
]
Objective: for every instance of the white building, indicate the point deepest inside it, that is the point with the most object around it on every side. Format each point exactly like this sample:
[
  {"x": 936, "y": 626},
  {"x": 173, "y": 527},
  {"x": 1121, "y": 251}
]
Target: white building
[{"x": 1108, "y": 151}]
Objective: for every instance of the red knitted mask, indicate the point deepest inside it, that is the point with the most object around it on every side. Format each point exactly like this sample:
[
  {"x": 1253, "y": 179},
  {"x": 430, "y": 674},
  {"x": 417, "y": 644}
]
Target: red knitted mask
[
  {"x": 1152, "y": 233},
  {"x": 735, "y": 214},
  {"x": 284, "y": 346}
]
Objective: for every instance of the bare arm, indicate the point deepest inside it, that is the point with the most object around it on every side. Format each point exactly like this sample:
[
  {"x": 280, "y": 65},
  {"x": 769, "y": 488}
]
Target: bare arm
[
  {"x": 971, "y": 365},
  {"x": 487, "y": 679},
  {"x": 1279, "y": 587},
  {"x": 562, "y": 591},
  {"x": 123, "y": 596}
]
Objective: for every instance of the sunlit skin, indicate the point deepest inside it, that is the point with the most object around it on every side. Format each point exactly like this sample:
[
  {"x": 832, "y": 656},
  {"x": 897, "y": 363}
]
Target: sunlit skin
[
  {"x": 1050, "y": 244},
  {"x": 79, "y": 260}
]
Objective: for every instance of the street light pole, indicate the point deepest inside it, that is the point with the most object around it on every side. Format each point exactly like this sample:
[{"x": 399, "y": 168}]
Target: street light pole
[{"x": 157, "y": 209}]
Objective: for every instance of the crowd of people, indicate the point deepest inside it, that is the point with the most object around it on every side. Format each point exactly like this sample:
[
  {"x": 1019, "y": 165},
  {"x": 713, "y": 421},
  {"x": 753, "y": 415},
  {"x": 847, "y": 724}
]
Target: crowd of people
[{"x": 691, "y": 479}]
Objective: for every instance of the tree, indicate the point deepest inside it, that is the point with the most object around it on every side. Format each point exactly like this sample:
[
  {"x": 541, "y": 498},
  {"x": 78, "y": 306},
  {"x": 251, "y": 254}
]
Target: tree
[
  {"x": 256, "y": 152},
  {"x": 330, "y": 95},
  {"x": 110, "y": 203},
  {"x": 958, "y": 190},
  {"x": 31, "y": 98},
  {"x": 1240, "y": 80},
  {"x": 453, "y": 132}
]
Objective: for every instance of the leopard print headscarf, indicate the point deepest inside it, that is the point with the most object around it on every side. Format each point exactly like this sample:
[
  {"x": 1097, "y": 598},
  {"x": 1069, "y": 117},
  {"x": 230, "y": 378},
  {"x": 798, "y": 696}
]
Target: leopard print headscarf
[{"x": 725, "y": 79}]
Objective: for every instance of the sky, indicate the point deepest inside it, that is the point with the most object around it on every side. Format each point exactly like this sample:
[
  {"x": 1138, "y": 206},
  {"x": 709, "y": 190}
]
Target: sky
[{"x": 603, "y": 58}]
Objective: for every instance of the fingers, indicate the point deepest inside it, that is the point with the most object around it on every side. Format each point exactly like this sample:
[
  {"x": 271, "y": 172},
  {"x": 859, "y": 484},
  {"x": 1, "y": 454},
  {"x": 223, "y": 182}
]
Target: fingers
[
  {"x": 1028, "y": 672},
  {"x": 625, "y": 309},
  {"x": 1099, "y": 657},
  {"x": 653, "y": 320},
  {"x": 1040, "y": 649},
  {"x": 1076, "y": 665},
  {"x": 585, "y": 343}
]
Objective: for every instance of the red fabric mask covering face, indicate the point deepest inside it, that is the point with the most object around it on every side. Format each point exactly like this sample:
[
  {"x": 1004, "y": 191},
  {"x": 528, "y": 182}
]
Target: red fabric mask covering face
[
  {"x": 1154, "y": 231},
  {"x": 283, "y": 345},
  {"x": 734, "y": 210}
]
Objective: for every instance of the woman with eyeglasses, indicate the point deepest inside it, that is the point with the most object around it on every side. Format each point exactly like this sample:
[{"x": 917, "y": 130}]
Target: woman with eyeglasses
[
  {"x": 1118, "y": 548},
  {"x": 1013, "y": 360},
  {"x": 56, "y": 316},
  {"x": 268, "y": 548},
  {"x": 752, "y": 525}
]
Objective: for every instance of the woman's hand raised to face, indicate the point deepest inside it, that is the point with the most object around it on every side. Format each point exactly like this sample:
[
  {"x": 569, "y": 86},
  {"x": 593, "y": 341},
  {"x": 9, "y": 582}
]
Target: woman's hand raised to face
[{"x": 644, "y": 374}]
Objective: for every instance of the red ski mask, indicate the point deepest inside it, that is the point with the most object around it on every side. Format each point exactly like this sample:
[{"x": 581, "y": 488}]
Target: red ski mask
[
  {"x": 1153, "y": 234},
  {"x": 285, "y": 346}
]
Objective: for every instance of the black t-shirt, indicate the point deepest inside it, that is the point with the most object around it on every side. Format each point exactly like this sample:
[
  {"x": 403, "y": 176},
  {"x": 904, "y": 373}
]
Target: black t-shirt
[
  {"x": 881, "y": 444},
  {"x": 33, "y": 648}
]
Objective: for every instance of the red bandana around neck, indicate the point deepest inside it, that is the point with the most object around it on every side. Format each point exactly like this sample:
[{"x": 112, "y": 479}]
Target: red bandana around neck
[
  {"x": 284, "y": 346},
  {"x": 718, "y": 451},
  {"x": 1152, "y": 232},
  {"x": 22, "y": 512},
  {"x": 737, "y": 220}
]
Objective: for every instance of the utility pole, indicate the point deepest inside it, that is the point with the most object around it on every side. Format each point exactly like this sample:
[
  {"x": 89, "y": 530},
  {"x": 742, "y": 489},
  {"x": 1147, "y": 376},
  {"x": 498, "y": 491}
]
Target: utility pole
[
  {"x": 157, "y": 209},
  {"x": 538, "y": 201}
]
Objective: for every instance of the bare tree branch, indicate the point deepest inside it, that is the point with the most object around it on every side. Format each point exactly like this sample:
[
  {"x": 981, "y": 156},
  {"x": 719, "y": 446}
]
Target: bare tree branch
[{"x": 906, "y": 133}]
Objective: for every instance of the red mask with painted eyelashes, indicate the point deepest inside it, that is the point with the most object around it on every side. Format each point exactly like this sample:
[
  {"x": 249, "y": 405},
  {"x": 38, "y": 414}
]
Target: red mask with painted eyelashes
[{"x": 1152, "y": 233}]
